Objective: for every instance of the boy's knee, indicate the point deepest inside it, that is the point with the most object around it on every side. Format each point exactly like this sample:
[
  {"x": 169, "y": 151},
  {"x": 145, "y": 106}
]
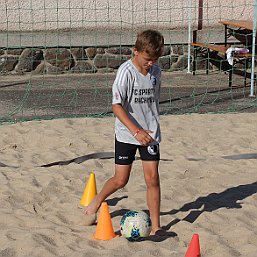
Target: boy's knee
[
  {"x": 152, "y": 181},
  {"x": 121, "y": 182}
]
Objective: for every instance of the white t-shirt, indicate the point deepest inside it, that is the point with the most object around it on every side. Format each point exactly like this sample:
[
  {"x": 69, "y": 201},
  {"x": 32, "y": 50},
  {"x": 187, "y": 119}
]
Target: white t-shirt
[{"x": 139, "y": 95}]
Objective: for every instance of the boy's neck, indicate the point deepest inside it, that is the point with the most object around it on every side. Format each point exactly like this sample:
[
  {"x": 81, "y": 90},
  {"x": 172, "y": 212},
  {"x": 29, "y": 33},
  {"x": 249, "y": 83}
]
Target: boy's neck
[{"x": 142, "y": 70}]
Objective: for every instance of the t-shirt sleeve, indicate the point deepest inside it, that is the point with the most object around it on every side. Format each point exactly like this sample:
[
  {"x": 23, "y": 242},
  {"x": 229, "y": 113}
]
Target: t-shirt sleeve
[{"x": 120, "y": 87}]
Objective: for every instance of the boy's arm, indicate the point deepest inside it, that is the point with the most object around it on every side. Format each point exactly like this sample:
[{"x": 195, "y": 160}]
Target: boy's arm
[{"x": 141, "y": 135}]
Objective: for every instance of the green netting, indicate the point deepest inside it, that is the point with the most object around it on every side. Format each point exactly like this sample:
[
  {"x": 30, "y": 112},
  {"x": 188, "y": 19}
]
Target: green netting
[{"x": 59, "y": 58}]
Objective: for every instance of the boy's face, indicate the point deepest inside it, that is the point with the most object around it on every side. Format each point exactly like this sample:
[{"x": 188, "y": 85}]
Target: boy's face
[{"x": 143, "y": 60}]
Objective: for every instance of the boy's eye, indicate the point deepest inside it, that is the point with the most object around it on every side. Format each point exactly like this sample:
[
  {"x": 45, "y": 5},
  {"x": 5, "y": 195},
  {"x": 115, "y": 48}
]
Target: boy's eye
[{"x": 151, "y": 60}]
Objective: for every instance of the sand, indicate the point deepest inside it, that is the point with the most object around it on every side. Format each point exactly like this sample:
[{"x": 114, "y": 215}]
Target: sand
[{"x": 208, "y": 179}]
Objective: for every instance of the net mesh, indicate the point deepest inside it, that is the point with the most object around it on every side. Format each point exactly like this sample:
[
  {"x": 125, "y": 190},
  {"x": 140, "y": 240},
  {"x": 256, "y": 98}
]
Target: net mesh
[{"x": 59, "y": 58}]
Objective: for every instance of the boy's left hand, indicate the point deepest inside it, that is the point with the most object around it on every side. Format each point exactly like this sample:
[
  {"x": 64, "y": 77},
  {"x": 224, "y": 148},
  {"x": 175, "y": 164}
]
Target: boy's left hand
[{"x": 143, "y": 137}]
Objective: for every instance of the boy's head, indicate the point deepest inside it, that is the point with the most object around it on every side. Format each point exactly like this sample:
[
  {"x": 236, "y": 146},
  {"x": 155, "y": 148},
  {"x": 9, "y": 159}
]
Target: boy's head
[{"x": 150, "y": 42}]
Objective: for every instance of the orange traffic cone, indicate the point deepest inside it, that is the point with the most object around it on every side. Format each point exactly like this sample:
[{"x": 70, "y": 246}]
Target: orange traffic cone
[
  {"x": 194, "y": 247},
  {"x": 90, "y": 191},
  {"x": 104, "y": 228}
]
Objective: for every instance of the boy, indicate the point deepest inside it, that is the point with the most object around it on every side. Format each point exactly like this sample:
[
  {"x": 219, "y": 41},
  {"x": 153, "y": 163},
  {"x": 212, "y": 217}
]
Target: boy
[{"x": 135, "y": 104}]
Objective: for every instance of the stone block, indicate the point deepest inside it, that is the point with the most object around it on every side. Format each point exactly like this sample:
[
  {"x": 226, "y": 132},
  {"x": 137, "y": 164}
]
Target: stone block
[
  {"x": 119, "y": 50},
  {"x": 60, "y": 57},
  {"x": 109, "y": 60},
  {"x": 29, "y": 59},
  {"x": 78, "y": 53},
  {"x": 91, "y": 52},
  {"x": 83, "y": 67},
  {"x": 7, "y": 63}
]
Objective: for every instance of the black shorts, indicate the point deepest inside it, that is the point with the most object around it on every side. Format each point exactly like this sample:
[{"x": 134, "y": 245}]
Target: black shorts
[{"x": 125, "y": 153}]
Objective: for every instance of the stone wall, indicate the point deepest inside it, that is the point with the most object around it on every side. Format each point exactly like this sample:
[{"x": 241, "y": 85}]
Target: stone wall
[{"x": 81, "y": 60}]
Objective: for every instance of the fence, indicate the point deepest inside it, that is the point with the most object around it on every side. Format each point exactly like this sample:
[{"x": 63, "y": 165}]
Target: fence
[{"x": 59, "y": 58}]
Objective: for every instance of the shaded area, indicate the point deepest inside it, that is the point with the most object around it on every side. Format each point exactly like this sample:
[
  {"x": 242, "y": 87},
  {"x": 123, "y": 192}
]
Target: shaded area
[
  {"x": 160, "y": 236},
  {"x": 115, "y": 200},
  {"x": 110, "y": 155},
  {"x": 100, "y": 155},
  {"x": 196, "y": 159},
  {"x": 227, "y": 199},
  {"x": 5, "y": 165},
  {"x": 80, "y": 159},
  {"x": 235, "y": 157},
  {"x": 12, "y": 84},
  {"x": 241, "y": 156}
]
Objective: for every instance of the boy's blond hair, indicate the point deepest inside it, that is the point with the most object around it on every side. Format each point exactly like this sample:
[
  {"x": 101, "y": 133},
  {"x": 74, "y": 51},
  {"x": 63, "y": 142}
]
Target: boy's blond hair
[{"x": 151, "y": 42}]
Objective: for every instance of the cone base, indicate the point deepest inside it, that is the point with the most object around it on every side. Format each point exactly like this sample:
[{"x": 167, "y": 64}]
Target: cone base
[{"x": 105, "y": 239}]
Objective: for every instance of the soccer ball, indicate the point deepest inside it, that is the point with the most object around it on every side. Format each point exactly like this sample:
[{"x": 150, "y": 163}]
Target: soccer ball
[{"x": 135, "y": 225}]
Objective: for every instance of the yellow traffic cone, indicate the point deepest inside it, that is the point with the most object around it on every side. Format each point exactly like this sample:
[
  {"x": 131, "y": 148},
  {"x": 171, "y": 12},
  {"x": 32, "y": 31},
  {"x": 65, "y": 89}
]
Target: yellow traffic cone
[{"x": 90, "y": 191}]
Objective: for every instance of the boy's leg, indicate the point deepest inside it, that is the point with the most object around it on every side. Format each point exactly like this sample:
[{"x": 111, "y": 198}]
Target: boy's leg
[
  {"x": 152, "y": 180},
  {"x": 118, "y": 181}
]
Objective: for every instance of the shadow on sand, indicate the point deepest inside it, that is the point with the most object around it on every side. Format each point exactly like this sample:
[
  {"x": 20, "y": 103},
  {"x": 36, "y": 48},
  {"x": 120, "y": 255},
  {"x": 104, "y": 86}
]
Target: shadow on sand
[{"x": 226, "y": 199}]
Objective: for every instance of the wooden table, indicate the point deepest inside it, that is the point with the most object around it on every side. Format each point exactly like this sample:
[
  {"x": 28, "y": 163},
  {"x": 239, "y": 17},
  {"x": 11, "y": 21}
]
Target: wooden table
[
  {"x": 239, "y": 24},
  {"x": 207, "y": 49},
  {"x": 244, "y": 28}
]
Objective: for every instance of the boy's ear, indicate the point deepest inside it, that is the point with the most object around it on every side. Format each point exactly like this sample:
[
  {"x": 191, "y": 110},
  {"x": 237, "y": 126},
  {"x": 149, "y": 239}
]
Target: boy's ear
[{"x": 135, "y": 51}]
